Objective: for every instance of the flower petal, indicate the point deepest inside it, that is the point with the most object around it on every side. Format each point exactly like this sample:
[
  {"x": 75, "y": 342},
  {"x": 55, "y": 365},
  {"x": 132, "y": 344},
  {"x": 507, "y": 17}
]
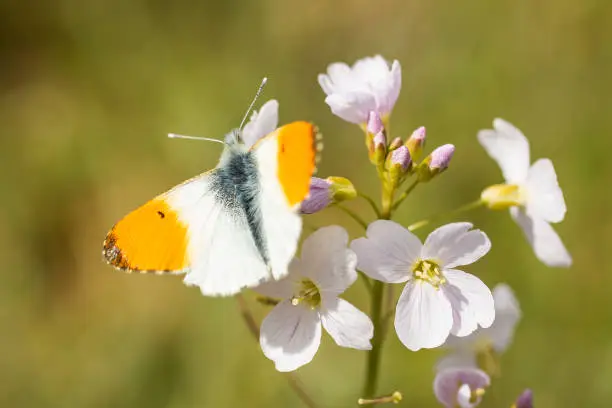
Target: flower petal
[
  {"x": 327, "y": 261},
  {"x": 424, "y": 317},
  {"x": 353, "y": 106},
  {"x": 461, "y": 358},
  {"x": 262, "y": 123},
  {"x": 476, "y": 302},
  {"x": 545, "y": 242},
  {"x": 509, "y": 148},
  {"x": 454, "y": 245},
  {"x": 388, "y": 252},
  {"x": 290, "y": 335},
  {"x": 282, "y": 288},
  {"x": 348, "y": 326},
  {"x": 449, "y": 381},
  {"x": 507, "y": 315},
  {"x": 545, "y": 198}
]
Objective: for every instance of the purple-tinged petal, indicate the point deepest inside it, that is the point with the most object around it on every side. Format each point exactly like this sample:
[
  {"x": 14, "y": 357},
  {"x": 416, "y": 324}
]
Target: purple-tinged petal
[
  {"x": 448, "y": 383},
  {"x": 319, "y": 196},
  {"x": 525, "y": 400},
  {"x": 441, "y": 157},
  {"x": 375, "y": 124},
  {"x": 423, "y": 317},
  {"x": 347, "y": 325},
  {"x": 290, "y": 335},
  {"x": 388, "y": 251}
]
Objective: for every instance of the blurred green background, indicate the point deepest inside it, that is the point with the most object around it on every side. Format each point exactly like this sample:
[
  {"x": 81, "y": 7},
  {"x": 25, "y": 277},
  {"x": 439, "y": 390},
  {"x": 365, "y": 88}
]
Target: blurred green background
[{"x": 89, "y": 90}]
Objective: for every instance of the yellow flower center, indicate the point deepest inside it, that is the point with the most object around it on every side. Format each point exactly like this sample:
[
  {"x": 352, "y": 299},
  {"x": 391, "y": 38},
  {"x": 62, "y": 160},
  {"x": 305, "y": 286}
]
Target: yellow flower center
[
  {"x": 308, "y": 293},
  {"x": 503, "y": 196},
  {"x": 428, "y": 271}
]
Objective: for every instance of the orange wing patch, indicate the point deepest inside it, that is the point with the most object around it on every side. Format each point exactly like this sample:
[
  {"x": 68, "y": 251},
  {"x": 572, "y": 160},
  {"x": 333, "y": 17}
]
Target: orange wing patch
[
  {"x": 296, "y": 159},
  {"x": 149, "y": 239}
]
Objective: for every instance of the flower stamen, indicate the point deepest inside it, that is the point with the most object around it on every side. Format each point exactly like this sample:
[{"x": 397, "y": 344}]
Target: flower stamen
[
  {"x": 309, "y": 293},
  {"x": 428, "y": 271}
]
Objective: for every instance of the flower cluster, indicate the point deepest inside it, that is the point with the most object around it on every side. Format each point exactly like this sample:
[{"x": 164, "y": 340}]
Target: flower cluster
[{"x": 440, "y": 304}]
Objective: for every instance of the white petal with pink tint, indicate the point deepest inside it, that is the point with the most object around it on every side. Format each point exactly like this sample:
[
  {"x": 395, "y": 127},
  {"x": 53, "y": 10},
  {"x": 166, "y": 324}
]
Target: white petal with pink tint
[
  {"x": 423, "y": 317},
  {"x": 347, "y": 325},
  {"x": 545, "y": 242},
  {"x": 544, "y": 196},
  {"x": 509, "y": 148},
  {"x": 290, "y": 335},
  {"x": 263, "y": 122},
  {"x": 388, "y": 251},
  {"x": 454, "y": 245}
]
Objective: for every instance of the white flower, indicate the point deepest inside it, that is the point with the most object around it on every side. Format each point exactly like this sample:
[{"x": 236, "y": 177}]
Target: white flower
[
  {"x": 438, "y": 299},
  {"x": 483, "y": 342},
  {"x": 291, "y": 332},
  {"x": 260, "y": 124},
  {"x": 461, "y": 387},
  {"x": 368, "y": 86},
  {"x": 532, "y": 192}
]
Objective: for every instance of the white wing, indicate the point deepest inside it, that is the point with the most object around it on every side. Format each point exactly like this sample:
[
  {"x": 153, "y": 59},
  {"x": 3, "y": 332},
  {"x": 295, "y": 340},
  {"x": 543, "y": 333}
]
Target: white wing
[
  {"x": 281, "y": 223},
  {"x": 222, "y": 253}
]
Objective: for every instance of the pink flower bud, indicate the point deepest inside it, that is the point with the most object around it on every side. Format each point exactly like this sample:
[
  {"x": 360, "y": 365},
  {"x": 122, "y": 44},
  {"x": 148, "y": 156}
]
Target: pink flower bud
[
  {"x": 416, "y": 142},
  {"x": 525, "y": 400},
  {"x": 401, "y": 156},
  {"x": 380, "y": 141},
  {"x": 319, "y": 196},
  {"x": 441, "y": 157},
  {"x": 375, "y": 124}
]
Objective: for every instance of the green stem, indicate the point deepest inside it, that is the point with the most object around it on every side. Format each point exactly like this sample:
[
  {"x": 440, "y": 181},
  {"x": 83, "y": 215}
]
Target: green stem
[
  {"x": 463, "y": 208},
  {"x": 376, "y": 311},
  {"x": 291, "y": 378},
  {"x": 369, "y": 389},
  {"x": 405, "y": 194},
  {"x": 371, "y": 201},
  {"x": 353, "y": 215}
]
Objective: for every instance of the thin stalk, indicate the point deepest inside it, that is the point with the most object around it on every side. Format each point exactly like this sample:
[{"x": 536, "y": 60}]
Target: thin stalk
[
  {"x": 353, "y": 215},
  {"x": 291, "y": 378},
  {"x": 463, "y": 208},
  {"x": 376, "y": 311},
  {"x": 371, "y": 202}
]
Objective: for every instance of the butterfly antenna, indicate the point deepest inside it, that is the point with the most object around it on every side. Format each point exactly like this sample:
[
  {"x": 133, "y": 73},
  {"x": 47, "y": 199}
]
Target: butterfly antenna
[
  {"x": 177, "y": 136},
  {"x": 259, "y": 90}
]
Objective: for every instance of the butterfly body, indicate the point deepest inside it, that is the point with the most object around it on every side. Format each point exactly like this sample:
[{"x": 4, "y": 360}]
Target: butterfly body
[{"x": 232, "y": 227}]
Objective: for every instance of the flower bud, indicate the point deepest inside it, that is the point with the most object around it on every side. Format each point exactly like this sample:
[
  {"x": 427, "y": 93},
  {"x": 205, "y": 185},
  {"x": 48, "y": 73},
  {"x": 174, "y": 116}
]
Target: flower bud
[
  {"x": 397, "y": 142},
  {"x": 378, "y": 149},
  {"x": 398, "y": 164},
  {"x": 324, "y": 192},
  {"x": 341, "y": 189},
  {"x": 525, "y": 400},
  {"x": 436, "y": 162},
  {"x": 415, "y": 143},
  {"x": 503, "y": 196},
  {"x": 375, "y": 124}
]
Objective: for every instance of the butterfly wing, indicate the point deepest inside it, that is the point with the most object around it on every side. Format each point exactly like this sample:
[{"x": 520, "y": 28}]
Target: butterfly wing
[
  {"x": 286, "y": 160},
  {"x": 227, "y": 229},
  {"x": 190, "y": 229}
]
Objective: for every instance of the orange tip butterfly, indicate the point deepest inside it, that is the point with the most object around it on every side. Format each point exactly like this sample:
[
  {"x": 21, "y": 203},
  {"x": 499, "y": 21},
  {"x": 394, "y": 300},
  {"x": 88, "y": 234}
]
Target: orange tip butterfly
[{"x": 232, "y": 227}]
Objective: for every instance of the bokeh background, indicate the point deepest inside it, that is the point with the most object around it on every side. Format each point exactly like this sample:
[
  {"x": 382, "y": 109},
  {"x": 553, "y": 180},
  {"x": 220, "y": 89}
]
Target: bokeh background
[{"x": 89, "y": 89}]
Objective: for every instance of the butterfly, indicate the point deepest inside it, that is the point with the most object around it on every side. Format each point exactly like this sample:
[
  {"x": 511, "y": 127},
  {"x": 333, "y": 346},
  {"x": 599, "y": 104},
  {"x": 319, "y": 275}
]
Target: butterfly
[{"x": 232, "y": 227}]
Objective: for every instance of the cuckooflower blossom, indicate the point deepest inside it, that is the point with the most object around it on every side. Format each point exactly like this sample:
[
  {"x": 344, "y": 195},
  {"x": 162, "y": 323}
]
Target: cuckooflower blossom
[
  {"x": 483, "y": 347},
  {"x": 438, "y": 299},
  {"x": 370, "y": 85},
  {"x": 461, "y": 387},
  {"x": 291, "y": 332},
  {"x": 531, "y": 192}
]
